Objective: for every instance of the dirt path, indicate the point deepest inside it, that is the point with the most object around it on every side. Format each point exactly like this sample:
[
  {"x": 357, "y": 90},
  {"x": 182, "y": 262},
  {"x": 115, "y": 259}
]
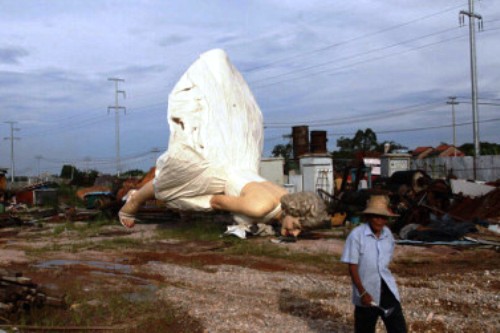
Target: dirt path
[{"x": 224, "y": 285}]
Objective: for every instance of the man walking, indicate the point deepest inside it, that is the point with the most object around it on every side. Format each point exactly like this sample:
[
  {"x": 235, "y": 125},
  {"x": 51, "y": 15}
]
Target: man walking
[{"x": 368, "y": 251}]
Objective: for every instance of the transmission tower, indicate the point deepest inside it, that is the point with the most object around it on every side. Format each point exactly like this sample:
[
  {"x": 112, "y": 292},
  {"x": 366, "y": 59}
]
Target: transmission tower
[
  {"x": 117, "y": 109},
  {"x": 12, "y": 138},
  {"x": 472, "y": 42},
  {"x": 38, "y": 158},
  {"x": 452, "y": 101}
]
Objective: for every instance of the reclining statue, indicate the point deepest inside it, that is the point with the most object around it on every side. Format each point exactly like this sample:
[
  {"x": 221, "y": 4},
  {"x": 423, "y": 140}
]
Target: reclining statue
[{"x": 213, "y": 155}]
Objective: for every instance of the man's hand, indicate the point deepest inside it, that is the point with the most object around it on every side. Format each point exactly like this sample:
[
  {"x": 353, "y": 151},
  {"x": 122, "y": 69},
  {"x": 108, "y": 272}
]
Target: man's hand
[{"x": 367, "y": 299}]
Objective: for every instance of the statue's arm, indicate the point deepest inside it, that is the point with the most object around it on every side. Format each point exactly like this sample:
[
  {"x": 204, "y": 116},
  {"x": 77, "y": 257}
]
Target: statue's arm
[
  {"x": 247, "y": 205},
  {"x": 225, "y": 202}
]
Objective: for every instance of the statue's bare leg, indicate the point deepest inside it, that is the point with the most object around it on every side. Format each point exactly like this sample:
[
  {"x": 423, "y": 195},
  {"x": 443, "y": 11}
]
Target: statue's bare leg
[{"x": 134, "y": 201}]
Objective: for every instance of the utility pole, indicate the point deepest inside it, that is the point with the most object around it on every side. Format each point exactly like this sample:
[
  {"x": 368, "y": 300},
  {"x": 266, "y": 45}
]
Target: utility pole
[
  {"x": 38, "y": 158},
  {"x": 117, "y": 109},
  {"x": 472, "y": 42},
  {"x": 87, "y": 160},
  {"x": 155, "y": 151},
  {"x": 12, "y": 138},
  {"x": 452, "y": 102}
]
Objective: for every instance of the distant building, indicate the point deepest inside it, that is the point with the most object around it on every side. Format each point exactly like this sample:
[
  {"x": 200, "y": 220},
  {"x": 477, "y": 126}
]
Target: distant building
[
  {"x": 443, "y": 150},
  {"x": 3, "y": 179},
  {"x": 447, "y": 151},
  {"x": 421, "y": 152}
]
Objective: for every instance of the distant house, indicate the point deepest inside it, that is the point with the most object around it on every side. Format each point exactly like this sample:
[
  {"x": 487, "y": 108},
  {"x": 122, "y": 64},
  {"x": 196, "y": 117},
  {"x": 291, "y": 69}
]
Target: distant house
[
  {"x": 3, "y": 180},
  {"x": 447, "y": 151},
  {"x": 443, "y": 150},
  {"x": 421, "y": 152}
]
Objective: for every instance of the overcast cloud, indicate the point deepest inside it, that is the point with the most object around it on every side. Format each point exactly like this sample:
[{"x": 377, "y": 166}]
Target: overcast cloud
[{"x": 335, "y": 66}]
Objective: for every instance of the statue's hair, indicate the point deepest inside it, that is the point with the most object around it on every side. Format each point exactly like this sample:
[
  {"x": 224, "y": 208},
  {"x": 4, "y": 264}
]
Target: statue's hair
[{"x": 307, "y": 206}]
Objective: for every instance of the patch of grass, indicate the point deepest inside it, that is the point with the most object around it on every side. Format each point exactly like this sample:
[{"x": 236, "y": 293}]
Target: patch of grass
[
  {"x": 41, "y": 250},
  {"x": 206, "y": 230},
  {"x": 108, "y": 244},
  {"x": 83, "y": 230},
  {"x": 105, "y": 308},
  {"x": 199, "y": 229},
  {"x": 249, "y": 248},
  {"x": 118, "y": 243}
]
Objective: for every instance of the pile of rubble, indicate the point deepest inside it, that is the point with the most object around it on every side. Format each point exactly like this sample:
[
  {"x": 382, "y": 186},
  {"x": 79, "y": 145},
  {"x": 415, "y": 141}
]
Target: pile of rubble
[
  {"x": 42, "y": 202},
  {"x": 431, "y": 210},
  {"x": 20, "y": 294}
]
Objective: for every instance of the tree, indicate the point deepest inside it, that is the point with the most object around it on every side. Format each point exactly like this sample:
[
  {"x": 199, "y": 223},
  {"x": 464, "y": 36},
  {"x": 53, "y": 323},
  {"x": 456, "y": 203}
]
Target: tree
[
  {"x": 285, "y": 151},
  {"x": 392, "y": 145},
  {"x": 345, "y": 144},
  {"x": 487, "y": 148},
  {"x": 363, "y": 141},
  {"x": 133, "y": 173},
  {"x": 68, "y": 171},
  {"x": 77, "y": 177}
]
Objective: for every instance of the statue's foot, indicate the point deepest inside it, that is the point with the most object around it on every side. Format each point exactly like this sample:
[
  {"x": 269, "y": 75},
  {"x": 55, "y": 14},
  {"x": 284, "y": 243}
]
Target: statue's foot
[{"x": 127, "y": 219}]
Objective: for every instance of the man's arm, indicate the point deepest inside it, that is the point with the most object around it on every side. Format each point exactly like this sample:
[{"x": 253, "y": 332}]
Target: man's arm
[{"x": 366, "y": 298}]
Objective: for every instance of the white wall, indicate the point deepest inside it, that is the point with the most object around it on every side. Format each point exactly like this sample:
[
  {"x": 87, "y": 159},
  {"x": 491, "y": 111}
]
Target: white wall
[
  {"x": 272, "y": 169},
  {"x": 487, "y": 167}
]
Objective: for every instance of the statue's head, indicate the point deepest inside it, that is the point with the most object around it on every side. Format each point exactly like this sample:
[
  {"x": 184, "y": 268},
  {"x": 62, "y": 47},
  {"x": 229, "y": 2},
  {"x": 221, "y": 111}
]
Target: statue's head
[{"x": 302, "y": 211}]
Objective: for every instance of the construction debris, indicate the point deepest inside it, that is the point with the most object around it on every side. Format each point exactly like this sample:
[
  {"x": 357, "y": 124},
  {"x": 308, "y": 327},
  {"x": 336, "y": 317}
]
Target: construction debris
[
  {"x": 430, "y": 210},
  {"x": 20, "y": 294}
]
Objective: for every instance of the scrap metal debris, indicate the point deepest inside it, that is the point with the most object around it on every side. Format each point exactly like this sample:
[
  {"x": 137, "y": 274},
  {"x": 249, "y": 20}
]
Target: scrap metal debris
[
  {"x": 430, "y": 210},
  {"x": 20, "y": 294}
]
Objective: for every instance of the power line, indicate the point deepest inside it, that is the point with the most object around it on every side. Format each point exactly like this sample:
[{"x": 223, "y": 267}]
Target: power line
[
  {"x": 329, "y": 46},
  {"x": 349, "y": 57},
  {"x": 420, "y": 128},
  {"x": 337, "y": 69},
  {"x": 88, "y": 122},
  {"x": 350, "y": 119},
  {"x": 95, "y": 120},
  {"x": 353, "y": 39},
  {"x": 334, "y": 70}
]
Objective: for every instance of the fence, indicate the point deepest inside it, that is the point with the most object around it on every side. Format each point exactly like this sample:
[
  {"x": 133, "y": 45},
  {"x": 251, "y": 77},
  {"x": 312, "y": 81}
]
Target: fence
[{"x": 487, "y": 167}]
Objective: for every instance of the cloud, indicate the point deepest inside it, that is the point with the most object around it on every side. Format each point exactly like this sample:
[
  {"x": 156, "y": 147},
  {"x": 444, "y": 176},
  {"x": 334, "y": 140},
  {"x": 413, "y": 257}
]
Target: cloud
[
  {"x": 173, "y": 40},
  {"x": 304, "y": 61},
  {"x": 137, "y": 71},
  {"x": 227, "y": 38},
  {"x": 12, "y": 55}
]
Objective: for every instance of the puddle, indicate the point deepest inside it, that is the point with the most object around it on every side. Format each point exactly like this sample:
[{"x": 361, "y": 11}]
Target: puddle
[
  {"x": 126, "y": 269},
  {"x": 146, "y": 293}
]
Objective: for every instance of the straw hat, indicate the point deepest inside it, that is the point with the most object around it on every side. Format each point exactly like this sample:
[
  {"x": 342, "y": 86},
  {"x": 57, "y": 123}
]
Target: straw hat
[{"x": 378, "y": 205}]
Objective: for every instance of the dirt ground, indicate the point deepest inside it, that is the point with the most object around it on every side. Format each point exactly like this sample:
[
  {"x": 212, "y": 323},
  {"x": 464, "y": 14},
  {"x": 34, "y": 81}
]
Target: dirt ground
[{"x": 208, "y": 286}]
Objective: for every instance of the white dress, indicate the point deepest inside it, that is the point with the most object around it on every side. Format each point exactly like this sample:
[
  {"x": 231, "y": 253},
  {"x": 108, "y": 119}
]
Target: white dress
[{"x": 216, "y": 136}]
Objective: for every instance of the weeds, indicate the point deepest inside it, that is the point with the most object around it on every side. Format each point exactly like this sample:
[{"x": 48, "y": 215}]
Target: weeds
[
  {"x": 251, "y": 248},
  {"x": 200, "y": 229},
  {"x": 67, "y": 194},
  {"x": 103, "y": 307},
  {"x": 82, "y": 230}
]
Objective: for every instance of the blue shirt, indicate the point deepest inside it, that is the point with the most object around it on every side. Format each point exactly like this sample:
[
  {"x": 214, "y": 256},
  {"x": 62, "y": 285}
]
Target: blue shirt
[{"x": 372, "y": 255}]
